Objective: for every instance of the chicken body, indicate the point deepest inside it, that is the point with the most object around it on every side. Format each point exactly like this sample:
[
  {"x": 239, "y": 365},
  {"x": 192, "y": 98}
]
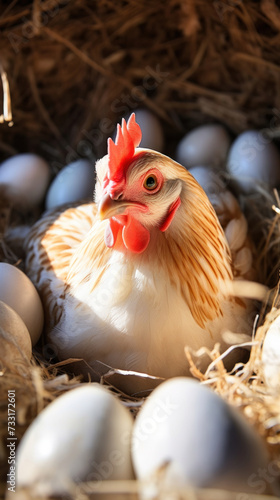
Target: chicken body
[{"x": 135, "y": 302}]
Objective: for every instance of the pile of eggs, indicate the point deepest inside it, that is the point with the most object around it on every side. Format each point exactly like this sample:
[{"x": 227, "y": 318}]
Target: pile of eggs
[
  {"x": 184, "y": 432},
  {"x": 21, "y": 316},
  {"x": 26, "y": 178},
  {"x": 250, "y": 159},
  {"x": 205, "y": 151}
]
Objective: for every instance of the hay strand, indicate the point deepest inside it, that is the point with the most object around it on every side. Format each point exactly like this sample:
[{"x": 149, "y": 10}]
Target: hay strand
[{"x": 7, "y": 105}]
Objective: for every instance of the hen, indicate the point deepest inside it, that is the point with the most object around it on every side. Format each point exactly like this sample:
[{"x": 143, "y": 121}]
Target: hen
[{"x": 146, "y": 270}]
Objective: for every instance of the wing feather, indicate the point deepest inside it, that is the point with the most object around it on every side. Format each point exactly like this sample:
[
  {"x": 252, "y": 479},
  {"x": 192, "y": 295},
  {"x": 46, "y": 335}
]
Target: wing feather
[{"x": 50, "y": 247}]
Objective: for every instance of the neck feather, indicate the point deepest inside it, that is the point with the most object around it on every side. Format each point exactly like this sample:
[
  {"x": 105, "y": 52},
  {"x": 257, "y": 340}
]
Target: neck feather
[{"x": 195, "y": 252}]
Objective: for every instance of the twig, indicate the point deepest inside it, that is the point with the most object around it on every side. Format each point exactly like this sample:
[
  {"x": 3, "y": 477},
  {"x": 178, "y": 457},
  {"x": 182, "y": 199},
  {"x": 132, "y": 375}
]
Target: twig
[
  {"x": 45, "y": 115},
  {"x": 7, "y": 105}
]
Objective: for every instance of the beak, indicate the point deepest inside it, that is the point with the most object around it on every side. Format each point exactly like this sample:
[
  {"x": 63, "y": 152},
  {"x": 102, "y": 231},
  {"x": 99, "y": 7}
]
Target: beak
[{"x": 108, "y": 207}]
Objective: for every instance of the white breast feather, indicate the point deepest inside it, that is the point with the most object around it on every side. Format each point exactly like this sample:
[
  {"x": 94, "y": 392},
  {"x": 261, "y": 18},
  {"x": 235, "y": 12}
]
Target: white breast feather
[{"x": 134, "y": 319}]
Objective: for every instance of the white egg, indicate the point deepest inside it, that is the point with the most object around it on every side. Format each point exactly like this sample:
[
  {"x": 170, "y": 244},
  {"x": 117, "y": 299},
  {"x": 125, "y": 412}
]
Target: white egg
[
  {"x": 20, "y": 294},
  {"x": 205, "y": 145},
  {"x": 213, "y": 186},
  {"x": 84, "y": 435},
  {"x": 25, "y": 178},
  {"x": 74, "y": 182},
  {"x": 208, "y": 179},
  {"x": 271, "y": 355},
  {"x": 14, "y": 336},
  {"x": 191, "y": 436},
  {"x": 152, "y": 133},
  {"x": 253, "y": 157}
]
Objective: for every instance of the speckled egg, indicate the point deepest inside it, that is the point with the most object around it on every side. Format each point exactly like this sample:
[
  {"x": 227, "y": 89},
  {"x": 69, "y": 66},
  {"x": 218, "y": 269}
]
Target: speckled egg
[
  {"x": 84, "y": 435},
  {"x": 73, "y": 183},
  {"x": 254, "y": 158},
  {"x": 25, "y": 178},
  {"x": 191, "y": 436},
  {"x": 19, "y": 293},
  {"x": 206, "y": 145}
]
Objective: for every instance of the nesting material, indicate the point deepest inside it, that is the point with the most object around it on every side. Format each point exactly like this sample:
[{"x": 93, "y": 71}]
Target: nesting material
[
  {"x": 7, "y": 105},
  {"x": 74, "y": 69}
]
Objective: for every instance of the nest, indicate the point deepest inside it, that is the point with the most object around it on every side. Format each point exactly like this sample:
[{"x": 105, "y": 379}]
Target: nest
[
  {"x": 74, "y": 68},
  {"x": 71, "y": 68}
]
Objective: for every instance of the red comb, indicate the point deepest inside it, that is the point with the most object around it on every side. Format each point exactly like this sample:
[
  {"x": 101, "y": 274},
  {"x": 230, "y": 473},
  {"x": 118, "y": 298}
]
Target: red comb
[{"x": 122, "y": 151}]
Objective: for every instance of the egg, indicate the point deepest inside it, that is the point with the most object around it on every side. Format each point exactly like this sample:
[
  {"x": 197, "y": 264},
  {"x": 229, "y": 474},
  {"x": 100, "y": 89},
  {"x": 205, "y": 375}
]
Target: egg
[
  {"x": 14, "y": 336},
  {"x": 84, "y": 435},
  {"x": 19, "y": 293},
  {"x": 206, "y": 145},
  {"x": 254, "y": 158},
  {"x": 74, "y": 182},
  {"x": 152, "y": 133},
  {"x": 208, "y": 179},
  {"x": 271, "y": 355},
  {"x": 191, "y": 437},
  {"x": 26, "y": 178}
]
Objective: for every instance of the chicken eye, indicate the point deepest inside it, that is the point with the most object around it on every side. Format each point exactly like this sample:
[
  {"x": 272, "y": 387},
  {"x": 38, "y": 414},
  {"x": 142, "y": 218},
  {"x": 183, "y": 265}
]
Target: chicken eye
[{"x": 151, "y": 183}]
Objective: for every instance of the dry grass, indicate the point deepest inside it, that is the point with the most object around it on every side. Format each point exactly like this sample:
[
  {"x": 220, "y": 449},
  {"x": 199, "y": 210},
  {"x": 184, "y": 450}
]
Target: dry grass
[{"x": 70, "y": 64}]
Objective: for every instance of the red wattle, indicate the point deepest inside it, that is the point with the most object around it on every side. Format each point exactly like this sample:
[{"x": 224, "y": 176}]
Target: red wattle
[
  {"x": 170, "y": 215},
  {"x": 135, "y": 236}
]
